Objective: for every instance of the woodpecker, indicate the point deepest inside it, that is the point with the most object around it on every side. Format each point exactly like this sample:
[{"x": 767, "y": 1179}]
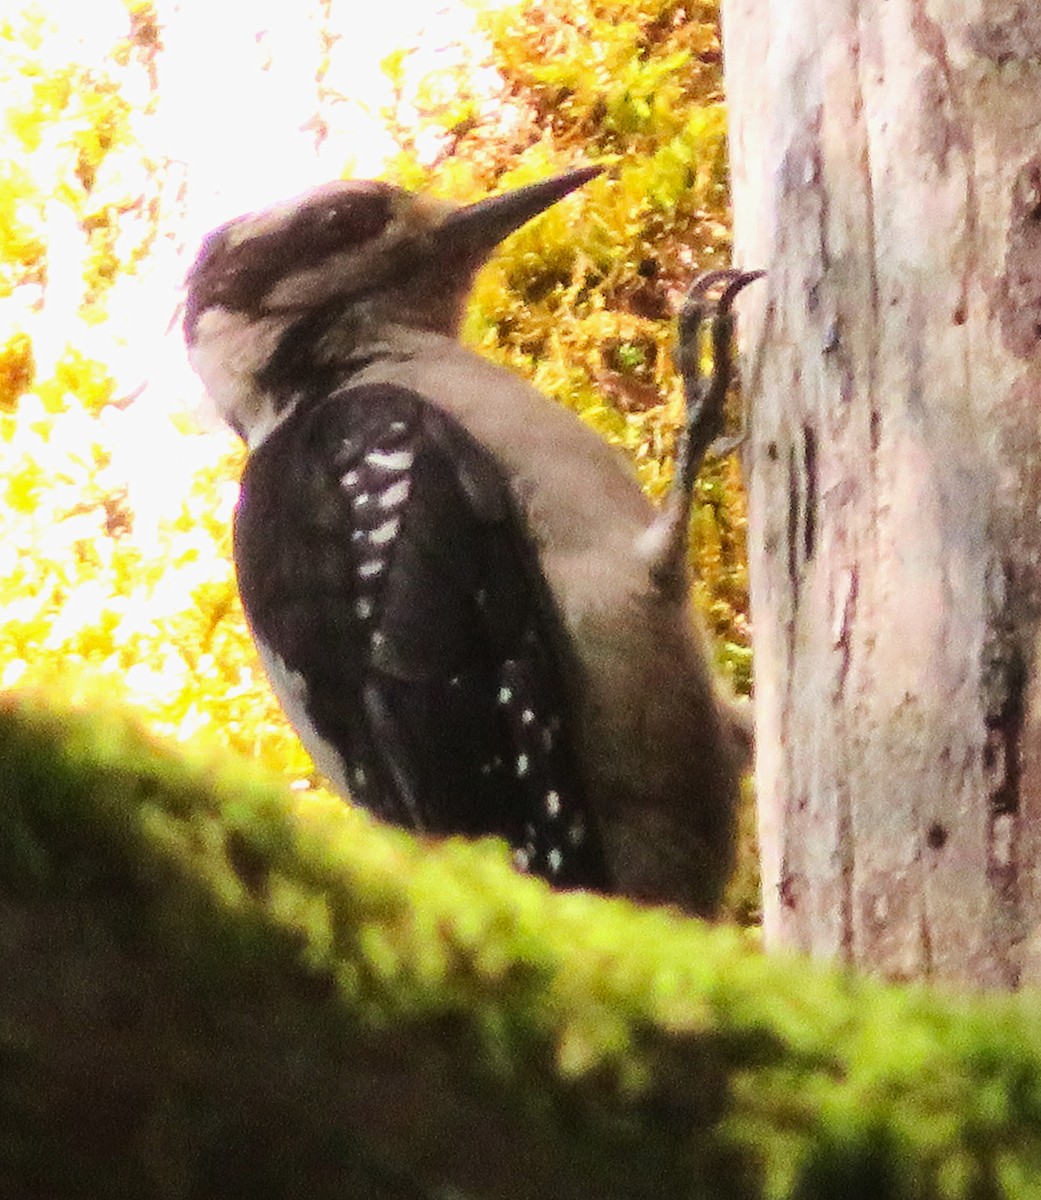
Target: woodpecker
[{"x": 471, "y": 614}]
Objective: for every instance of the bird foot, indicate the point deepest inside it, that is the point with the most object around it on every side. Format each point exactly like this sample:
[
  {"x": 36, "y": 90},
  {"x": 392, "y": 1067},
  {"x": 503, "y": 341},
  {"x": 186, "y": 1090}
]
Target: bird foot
[{"x": 705, "y": 395}]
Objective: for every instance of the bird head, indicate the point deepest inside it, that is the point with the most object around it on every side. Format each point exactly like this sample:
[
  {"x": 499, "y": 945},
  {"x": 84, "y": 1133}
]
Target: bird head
[
  {"x": 355, "y": 241},
  {"x": 277, "y": 296}
]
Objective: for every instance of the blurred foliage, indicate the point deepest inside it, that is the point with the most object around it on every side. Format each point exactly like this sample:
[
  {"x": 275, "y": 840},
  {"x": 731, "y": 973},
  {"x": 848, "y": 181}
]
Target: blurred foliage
[
  {"x": 93, "y": 607},
  {"x": 93, "y": 599}
]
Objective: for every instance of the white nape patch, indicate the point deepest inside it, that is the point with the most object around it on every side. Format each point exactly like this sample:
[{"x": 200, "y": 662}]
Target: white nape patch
[
  {"x": 396, "y": 494},
  {"x": 391, "y": 460},
  {"x": 291, "y": 689},
  {"x": 228, "y": 352}
]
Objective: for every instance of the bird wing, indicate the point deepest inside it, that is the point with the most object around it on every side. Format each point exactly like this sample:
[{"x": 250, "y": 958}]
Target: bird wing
[{"x": 383, "y": 566}]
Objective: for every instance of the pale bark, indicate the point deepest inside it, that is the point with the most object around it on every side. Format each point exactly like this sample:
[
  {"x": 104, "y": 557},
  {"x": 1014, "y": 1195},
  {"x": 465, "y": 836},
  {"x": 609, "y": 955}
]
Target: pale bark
[{"x": 887, "y": 173}]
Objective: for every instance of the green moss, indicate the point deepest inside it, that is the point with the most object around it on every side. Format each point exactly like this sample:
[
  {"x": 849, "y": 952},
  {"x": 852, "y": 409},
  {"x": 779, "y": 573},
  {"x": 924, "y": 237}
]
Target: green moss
[
  {"x": 103, "y": 175},
  {"x": 233, "y": 991}
]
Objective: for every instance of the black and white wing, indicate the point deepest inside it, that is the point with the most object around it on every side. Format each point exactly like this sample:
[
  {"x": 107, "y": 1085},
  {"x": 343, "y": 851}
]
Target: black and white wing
[{"x": 407, "y": 627}]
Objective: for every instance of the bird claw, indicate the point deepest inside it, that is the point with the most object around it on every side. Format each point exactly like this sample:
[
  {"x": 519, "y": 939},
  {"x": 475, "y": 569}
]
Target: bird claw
[
  {"x": 694, "y": 311},
  {"x": 736, "y": 280},
  {"x": 705, "y": 395}
]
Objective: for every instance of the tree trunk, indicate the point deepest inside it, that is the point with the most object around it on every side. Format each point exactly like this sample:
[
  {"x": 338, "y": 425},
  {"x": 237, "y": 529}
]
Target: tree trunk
[{"x": 887, "y": 174}]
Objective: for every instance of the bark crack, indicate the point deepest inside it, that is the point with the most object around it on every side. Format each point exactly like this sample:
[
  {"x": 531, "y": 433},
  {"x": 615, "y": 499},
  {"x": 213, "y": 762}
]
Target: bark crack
[
  {"x": 871, "y": 321},
  {"x": 794, "y": 522},
  {"x": 1004, "y": 678},
  {"x": 809, "y": 465},
  {"x": 842, "y": 633}
]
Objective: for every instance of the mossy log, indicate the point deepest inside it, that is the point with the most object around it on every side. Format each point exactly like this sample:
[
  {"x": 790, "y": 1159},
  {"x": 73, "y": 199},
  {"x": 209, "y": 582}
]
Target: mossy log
[{"x": 210, "y": 988}]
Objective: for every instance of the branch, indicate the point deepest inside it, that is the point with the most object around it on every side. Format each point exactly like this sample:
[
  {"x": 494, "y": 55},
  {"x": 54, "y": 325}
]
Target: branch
[{"x": 211, "y": 989}]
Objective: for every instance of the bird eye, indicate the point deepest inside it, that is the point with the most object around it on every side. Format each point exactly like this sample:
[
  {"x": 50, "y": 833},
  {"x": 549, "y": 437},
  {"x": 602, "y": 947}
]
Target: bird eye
[{"x": 340, "y": 221}]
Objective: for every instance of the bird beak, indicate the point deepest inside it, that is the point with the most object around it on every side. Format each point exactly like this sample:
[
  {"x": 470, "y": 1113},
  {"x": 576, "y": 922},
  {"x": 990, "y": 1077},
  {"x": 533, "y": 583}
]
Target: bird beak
[{"x": 481, "y": 227}]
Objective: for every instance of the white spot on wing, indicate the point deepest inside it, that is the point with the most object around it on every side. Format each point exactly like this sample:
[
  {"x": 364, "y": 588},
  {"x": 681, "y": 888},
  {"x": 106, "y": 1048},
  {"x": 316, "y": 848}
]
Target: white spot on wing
[
  {"x": 385, "y": 532},
  {"x": 363, "y": 607},
  {"x": 553, "y": 804},
  {"x": 554, "y": 860},
  {"x": 522, "y": 765},
  {"x": 370, "y": 569},
  {"x": 396, "y": 494},
  {"x": 392, "y": 460}
]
